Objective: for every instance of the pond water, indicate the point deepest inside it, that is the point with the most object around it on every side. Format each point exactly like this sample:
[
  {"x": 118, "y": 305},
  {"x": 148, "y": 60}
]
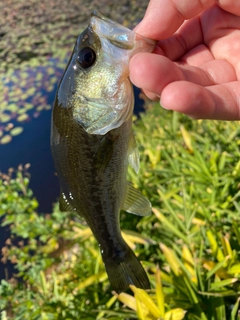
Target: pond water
[{"x": 33, "y": 146}]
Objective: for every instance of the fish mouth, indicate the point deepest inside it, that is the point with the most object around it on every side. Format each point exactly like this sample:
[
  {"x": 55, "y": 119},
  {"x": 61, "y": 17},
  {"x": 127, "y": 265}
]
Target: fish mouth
[{"x": 119, "y": 35}]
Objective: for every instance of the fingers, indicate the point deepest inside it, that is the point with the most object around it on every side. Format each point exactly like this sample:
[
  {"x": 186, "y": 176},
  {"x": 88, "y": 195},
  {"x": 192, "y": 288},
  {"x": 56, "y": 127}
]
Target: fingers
[
  {"x": 231, "y": 6},
  {"x": 219, "y": 102},
  {"x": 203, "y": 84},
  {"x": 183, "y": 40},
  {"x": 153, "y": 72},
  {"x": 164, "y": 17},
  {"x": 192, "y": 90}
]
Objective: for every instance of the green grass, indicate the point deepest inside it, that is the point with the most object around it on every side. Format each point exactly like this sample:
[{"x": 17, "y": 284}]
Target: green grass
[{"x": 190, "y": 170}]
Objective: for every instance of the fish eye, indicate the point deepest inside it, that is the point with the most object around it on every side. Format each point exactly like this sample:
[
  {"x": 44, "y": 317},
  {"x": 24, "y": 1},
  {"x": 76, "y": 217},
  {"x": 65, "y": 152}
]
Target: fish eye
[{"x": 86, "y": 57}]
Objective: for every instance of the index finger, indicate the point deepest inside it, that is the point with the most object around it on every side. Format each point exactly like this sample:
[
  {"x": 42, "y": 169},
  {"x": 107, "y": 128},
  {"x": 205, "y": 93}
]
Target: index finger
[{"x": 164, "y": 17}]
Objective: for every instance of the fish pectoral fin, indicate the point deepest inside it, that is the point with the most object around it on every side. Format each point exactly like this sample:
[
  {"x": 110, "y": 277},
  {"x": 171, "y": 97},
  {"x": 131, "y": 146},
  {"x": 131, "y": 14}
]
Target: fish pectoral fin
[
  {"x": 104, "y": 153},
  {"x": 64, "y": 205},
  {"x": 133, "y": 154},
  {"x": 136, "y": 203}
]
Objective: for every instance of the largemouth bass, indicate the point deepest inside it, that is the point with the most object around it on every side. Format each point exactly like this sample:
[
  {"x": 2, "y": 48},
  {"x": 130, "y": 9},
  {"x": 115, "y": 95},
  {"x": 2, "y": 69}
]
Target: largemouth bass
[{"x": 92, "y": 142}]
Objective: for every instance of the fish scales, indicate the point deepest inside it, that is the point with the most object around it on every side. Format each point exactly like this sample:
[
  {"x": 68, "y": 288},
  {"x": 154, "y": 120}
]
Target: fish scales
[{"x": 92, "y": 144}]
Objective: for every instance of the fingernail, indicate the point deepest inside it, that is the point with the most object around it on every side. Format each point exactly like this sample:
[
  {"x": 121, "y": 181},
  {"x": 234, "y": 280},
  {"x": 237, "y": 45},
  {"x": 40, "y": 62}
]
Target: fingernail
[{"x": 162, "y": 105}]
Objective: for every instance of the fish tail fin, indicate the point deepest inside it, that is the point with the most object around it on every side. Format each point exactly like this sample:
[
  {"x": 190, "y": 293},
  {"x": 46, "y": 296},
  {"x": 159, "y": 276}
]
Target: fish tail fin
[{"x": 124, "y": 270}]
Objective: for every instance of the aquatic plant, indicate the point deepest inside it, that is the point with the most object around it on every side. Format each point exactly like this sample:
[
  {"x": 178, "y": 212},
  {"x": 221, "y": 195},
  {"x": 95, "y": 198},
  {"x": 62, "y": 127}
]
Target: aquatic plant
[
  {"x": 190, "y": 246},
  {"x": 35, "y": 43},
  {"x": 32, "y": 32}
]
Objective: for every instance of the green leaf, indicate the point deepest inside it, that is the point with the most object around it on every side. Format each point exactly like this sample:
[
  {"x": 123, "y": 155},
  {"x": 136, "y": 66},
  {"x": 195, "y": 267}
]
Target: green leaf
[
  {"x": 16, "y": 131},
  {"x": 5, "y": 117},
  {"x": 216, "y": 268},
  {"x": 235, "y": 269},
  {"x": 169, "y": 225},
  {"x": 219, "y": 284},
  {"x": 5, "y": 139},
  {"x": 22, "y": 117},
  {"x": 235, "y": 310}
]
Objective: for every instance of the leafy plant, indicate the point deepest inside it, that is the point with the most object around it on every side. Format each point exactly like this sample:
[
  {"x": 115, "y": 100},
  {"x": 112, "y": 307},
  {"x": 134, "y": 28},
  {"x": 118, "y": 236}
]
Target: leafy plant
[{"x": 190, "y": 246}]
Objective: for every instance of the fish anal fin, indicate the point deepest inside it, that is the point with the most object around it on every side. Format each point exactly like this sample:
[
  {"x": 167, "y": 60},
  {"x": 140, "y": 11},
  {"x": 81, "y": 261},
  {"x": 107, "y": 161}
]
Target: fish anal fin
[
  {"x": 136, "y": 203},
  {"x": 64, "y": 204}
]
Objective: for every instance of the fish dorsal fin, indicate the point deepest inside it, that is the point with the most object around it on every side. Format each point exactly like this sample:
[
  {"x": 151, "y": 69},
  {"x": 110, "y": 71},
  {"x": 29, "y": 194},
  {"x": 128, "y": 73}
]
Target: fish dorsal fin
[
  {"x": 133, "y": 155},
  {"x": 136, "y": 203},
  {"x": 64, "y": 205}
]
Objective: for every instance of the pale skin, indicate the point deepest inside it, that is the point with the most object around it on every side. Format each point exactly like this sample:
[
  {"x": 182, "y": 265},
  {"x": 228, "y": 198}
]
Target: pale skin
[{"x": 195, "y": 68}]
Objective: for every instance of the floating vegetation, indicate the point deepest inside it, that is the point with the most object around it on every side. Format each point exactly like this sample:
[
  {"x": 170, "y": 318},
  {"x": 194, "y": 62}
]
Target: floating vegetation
[
  {"x": 26, "y": 93},
  {"x": 5, "y": 117},
  {"x": 6, "y": 139},
  {"x": 34, "y": 32},
  {"x": 22, "y": 117},
  {"x": 35, "y": 42},
  {"x": 16, "y": 131}
]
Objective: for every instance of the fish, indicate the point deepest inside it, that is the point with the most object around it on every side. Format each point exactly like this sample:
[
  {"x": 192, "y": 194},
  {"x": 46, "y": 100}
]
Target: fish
[{"x": 92, "y": 142}]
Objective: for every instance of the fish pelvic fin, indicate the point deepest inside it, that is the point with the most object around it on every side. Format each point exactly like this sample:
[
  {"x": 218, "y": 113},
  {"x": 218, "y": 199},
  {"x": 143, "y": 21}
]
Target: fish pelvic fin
[
  {"x": 125, "y": 270},
  {"x": 135, "y": 202}
]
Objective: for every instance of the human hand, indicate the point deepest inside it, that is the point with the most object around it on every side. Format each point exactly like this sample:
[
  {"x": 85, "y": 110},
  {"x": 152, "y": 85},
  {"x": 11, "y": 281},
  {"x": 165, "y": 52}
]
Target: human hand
[{"x": 195, "y": 68}]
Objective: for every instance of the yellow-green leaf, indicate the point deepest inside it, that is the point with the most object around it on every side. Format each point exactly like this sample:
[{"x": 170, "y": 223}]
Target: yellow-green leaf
[
  {"x": 216, "y": 268},
  {"x": 159, "y": 293},
  {"x": 82, "y": 233},
  {"x": 136, "y": 237},
  {"x": 169, "y": 225},
  {"x": 22, "y": 117},
  {"x": 223, "y": 283},
  {"x": 128, "y": 300},
  {"x": 108, "y": 305},
  {"x": 198, "y": 222},
  {"x": 43, "y": 282},
  {"x": 6, "y": 139},
  {"x": 175, "y": 314},
  {"x": 101, "y": 276},
  {"x": 16, "y": 131},
  {"x": 187, "y": 138},
  {"x": 227, "y": 246},
  {"x": 217, "y": 252},
  {"x": 235, "y": 269},
  {"x": 5, "y": 117},
  {"x": 189, "y": 262},
  {"x": 140, "y": 310},
  {"x": 147, "y": 301},
  {"x": 171, "y": 259}
]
